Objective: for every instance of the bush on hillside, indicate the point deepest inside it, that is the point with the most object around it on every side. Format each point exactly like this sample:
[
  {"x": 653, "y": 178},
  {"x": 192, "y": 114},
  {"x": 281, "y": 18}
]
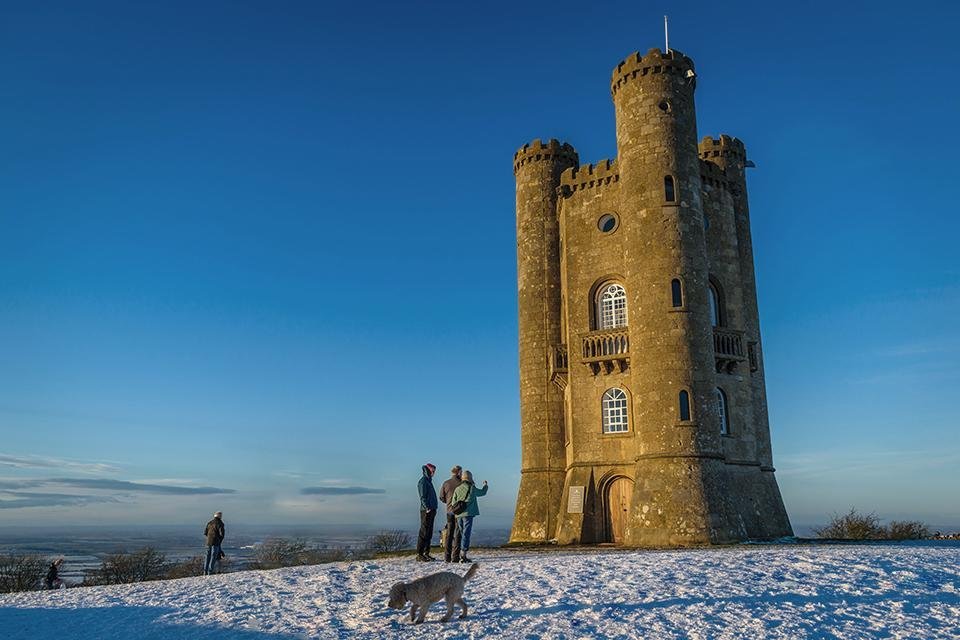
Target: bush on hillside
[
  {"x": 907, "y": 530},
  {"x": 858, "y": 526},
  {"x": 282, "y": 552},
  {"x": 852, "y": 526},
  {"x": 22, "y": 572},
  {"x": 120, "y": 568},
  {"x": 194, "y": 567},
  {"x": 389, "y": 541}
]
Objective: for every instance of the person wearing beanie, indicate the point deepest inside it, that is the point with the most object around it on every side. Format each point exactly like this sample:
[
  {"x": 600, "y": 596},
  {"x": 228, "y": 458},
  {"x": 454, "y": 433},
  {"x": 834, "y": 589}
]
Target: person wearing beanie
[
  {"x": 214, "y": 532},
  {"x": 428, "y": 511},
  {"x": 466, "y": 494},
  {"x": 446, "y": 496}
]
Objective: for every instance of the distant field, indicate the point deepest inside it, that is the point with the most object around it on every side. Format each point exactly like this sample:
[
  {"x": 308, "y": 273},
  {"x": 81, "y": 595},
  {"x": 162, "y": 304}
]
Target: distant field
[{"x": 82, "y": 547}]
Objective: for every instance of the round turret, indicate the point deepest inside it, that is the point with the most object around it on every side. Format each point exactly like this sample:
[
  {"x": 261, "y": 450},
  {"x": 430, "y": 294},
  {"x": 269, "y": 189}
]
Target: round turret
[
  {"x": 537, "y": 167},
  {"x": 726, "y": 152}
]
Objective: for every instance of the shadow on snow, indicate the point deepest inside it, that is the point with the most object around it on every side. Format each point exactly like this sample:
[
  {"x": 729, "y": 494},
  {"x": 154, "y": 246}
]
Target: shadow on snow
[{"x": 116, "y": 623}]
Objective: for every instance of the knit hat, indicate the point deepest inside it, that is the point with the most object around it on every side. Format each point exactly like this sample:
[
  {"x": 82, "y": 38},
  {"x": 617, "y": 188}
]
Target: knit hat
[
  {"x": 218, "y": 514},
  {"x": 432, "y": 467}
]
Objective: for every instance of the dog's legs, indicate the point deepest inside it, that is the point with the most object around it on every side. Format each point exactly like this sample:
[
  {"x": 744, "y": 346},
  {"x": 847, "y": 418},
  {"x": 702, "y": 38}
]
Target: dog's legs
[
  {"x": 413, "y": 611},
  {"x": 423, "y": 614},
  {"x": 462, "y": 603},
  {"x": 450, "y": 600}
]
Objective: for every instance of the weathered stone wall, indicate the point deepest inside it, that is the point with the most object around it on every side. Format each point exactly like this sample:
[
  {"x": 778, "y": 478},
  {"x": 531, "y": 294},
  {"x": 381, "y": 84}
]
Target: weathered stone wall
[
  {"x": 761, "y": 495},
  {"x": 537, "y": 168}
]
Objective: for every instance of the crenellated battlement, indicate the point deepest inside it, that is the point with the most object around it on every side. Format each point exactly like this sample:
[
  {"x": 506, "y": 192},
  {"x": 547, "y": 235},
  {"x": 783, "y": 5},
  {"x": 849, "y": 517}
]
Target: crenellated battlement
[
  {"x": 711, "y": 174},
  {"x": 538, "y": 150},
  {"x": 589, "y": 175},
  {"x": 654, "y": 61},
  {"x": 724, "y": 146}
]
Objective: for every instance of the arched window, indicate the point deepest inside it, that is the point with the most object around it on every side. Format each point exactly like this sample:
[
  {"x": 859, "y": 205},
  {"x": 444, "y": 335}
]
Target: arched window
[
  {"x": 612, "y": 307},
  {"x": 676, "y": 292},
  {"x": 724, "y": 412},
  {"x": 716, "y": 317},
  {"x": 684, "y": 405},
  {"x": 615, "y": 411},
  {"x": 669, "y": 192}
]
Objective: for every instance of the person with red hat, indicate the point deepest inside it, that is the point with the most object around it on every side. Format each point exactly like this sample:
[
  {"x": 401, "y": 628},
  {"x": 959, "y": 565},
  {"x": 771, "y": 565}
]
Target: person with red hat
[{"x": 428, "y": 511}]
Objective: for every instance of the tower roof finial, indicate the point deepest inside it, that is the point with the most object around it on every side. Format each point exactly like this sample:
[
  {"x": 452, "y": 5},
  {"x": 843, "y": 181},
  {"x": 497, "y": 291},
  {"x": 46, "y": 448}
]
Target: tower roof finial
[{"x": 666, "y": 36}]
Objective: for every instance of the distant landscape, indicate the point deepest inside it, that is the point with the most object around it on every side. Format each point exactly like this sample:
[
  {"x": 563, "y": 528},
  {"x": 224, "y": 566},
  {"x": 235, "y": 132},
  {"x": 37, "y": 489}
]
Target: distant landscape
[{"x": 82, "y": 547}]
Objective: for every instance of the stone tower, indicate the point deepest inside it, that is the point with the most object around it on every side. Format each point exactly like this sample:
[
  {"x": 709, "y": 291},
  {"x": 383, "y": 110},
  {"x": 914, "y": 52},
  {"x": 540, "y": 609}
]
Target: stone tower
[{"x": 643, "y": 404}]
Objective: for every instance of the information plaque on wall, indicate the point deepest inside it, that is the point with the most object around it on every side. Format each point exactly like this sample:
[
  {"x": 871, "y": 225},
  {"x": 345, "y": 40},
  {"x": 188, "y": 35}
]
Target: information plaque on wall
[{"x": 575, "y": 501}]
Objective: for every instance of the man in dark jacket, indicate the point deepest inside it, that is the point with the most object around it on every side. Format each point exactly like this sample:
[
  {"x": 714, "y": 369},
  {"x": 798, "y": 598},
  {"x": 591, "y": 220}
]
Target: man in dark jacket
[
  {"x": 446, "y": 495},
  {"x": 214, "y": 533},
  {"x": 53, "y": 581},
  {"x": 428, "y": 511}
]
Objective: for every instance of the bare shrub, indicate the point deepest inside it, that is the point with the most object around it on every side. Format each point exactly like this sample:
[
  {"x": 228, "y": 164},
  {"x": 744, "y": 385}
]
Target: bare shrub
[
  {"x": 282, "y": 552},
  {"x": 120, "y": 568},
  {"x": 194, "y": 567},
  {"x": 907, "y": 530},
  {"x": 852, "y": 526},
  {"x": 389, "y": 541},
  {"x": 187, "y": 568},
  {"x": 22, "y": 572}
]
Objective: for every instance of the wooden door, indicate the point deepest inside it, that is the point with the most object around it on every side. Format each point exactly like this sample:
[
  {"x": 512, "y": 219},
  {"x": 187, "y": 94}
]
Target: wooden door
[{"x": 618, "y": 504}]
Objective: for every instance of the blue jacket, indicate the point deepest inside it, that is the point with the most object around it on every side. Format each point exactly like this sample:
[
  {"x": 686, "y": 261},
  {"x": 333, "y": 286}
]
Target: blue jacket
[{"x": 428, "y": 496}]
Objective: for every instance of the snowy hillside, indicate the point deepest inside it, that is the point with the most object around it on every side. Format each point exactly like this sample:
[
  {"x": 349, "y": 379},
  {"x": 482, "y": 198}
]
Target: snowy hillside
[{"x": 792, "y": 592}]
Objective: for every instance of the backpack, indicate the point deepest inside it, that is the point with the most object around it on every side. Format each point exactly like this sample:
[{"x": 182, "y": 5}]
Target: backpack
[{"x": 460, "y": 506}]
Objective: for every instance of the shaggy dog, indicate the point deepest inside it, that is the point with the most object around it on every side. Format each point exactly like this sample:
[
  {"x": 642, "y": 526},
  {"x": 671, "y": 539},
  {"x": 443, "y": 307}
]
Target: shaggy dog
[{"x": 425, "y": 591}]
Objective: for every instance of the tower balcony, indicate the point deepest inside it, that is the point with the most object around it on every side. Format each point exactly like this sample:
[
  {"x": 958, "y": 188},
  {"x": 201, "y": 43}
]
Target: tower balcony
[
  {"x": 728, "y": 349},
  {"x": 606, "y": 350},
  {"x": 558, "y": 365}
]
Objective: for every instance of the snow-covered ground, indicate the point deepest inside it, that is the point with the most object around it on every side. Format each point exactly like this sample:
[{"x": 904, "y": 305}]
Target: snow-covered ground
[{"x": 790, "y": 591}]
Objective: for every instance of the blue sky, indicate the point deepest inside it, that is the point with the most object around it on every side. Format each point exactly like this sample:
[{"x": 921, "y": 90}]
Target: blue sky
[{"x": 260, "y": 257}]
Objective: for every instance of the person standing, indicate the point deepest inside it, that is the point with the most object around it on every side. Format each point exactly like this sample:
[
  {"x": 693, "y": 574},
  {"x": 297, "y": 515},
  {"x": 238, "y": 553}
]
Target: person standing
[
  {"x": 53, "y": 581},
  {"x": 214, "y": 532},
  {"x": 446, "y": 496},
  {"x": 428, "y": 511},
  {"x": 466, "y": 493}
]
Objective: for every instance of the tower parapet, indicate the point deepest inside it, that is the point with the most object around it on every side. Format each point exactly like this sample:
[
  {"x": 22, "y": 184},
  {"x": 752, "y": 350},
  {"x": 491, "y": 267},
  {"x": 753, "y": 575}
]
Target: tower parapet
[
  {"x": 589, "y": 175},
  {"x": 551, "y": 151},
  {"x": 672, "y": 62},
  {"x": 730, "y": 149}
]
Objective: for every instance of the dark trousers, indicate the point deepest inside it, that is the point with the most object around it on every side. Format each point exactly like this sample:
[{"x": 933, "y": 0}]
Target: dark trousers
[
  {"x": 426, "y": 531},
  {"x": 451, "y": 531}
]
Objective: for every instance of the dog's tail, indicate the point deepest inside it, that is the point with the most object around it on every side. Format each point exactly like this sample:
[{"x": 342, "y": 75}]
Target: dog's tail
[{"x": 472, "y": 571}]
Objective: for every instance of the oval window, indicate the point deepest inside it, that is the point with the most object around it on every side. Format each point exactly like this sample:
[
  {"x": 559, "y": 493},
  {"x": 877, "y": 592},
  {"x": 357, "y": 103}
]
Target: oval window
[{"x": 607, "y": 222}]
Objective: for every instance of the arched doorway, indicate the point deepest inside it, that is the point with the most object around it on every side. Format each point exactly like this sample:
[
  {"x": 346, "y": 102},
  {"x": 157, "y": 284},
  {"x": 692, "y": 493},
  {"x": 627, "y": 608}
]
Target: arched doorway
[{"x": 617, "y": 507}]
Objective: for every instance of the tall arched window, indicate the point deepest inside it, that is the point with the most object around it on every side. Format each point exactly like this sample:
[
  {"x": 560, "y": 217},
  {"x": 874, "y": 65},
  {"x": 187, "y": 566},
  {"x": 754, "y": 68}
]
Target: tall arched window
[
  {"x": 724, "y": 412},
  {"x": 669, "y": 191},
  {"x": 612, "y": 307},
  {"x": 684, "y": 405},
  {"x": 714, "y": 306},
  {"x": 614, "y": 407},
  {"x": 676, "y": 292}
]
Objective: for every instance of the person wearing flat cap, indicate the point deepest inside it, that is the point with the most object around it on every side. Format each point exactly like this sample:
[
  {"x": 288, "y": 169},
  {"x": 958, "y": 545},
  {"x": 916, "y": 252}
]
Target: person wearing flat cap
[
  {"x": 428, "y": 511},
  {"x": 214, "y": 533}
]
